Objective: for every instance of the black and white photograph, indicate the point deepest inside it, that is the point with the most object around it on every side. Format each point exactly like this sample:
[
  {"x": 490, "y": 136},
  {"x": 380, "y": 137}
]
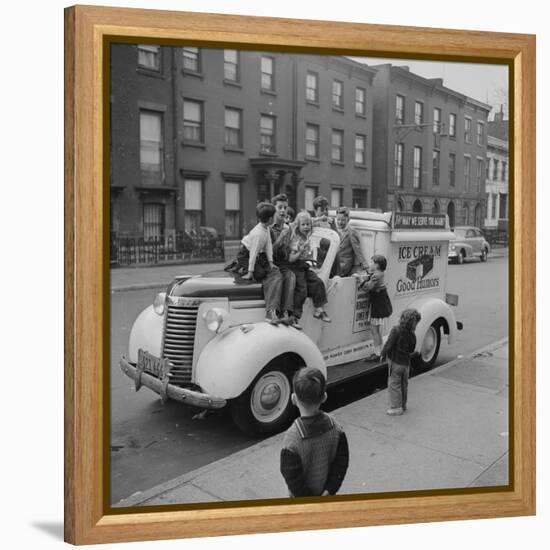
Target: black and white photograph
[{"x": 308, "y": 275}]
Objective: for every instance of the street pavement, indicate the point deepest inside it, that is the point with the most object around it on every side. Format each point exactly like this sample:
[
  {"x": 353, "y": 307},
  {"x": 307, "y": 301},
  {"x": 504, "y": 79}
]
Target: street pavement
[
  {"x": 136, "y": 278},
  {"x": 454, "y": 434}
]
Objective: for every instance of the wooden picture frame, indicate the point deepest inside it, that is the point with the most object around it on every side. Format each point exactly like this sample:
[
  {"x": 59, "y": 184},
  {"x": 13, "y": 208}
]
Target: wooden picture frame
[{"x": 87, "y": 518}]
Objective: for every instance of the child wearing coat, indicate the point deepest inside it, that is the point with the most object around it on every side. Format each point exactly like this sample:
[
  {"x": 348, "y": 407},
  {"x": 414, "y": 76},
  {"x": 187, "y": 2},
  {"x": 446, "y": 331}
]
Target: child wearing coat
[{"x": 398, "y": 349}]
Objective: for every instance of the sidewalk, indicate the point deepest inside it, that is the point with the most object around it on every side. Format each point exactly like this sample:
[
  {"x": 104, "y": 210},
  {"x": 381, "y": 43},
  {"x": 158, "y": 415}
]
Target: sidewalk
[
  {"x": 453, "y": 435},
  {"x": 137, "y": 278}
]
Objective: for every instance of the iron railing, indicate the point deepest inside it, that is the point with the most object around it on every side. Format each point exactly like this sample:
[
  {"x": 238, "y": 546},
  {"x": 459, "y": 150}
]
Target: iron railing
[{"x": 181, "y": 247}]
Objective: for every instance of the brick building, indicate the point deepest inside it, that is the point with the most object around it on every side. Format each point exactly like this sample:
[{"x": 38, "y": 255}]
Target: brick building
[
  {"x": 497, "y": 174},
  {"x": 199, "y": 136},
  {"x": 430, "y": 150}
]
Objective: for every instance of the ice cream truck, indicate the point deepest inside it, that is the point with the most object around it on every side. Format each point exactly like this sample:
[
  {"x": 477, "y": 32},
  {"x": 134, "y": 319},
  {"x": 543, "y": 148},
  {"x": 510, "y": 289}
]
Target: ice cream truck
[{"x": 204, "y": 341}]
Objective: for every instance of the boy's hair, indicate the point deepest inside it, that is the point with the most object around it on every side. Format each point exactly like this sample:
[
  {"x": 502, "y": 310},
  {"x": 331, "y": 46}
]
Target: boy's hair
[
  {"x": 264, "y": 211},
  {"x": 380, "y": 261},
  {"x": 343, "y": 210},
  {"x": 281, "y": 197},
  {"x": 290, "y": 212},
  {"x": 319, "y": 202},
  {"x": 309, "y": 385},
  {"x": 409, "y": 317}
]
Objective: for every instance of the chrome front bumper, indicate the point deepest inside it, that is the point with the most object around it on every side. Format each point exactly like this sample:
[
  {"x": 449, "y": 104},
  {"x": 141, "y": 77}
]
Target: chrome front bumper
[{"x": 169, "y": 391}]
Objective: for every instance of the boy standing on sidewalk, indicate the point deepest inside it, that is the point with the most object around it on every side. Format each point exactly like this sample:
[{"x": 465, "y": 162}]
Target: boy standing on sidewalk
[
  {"x": 398, "y": 349},
  {"x": 315, "y": 454}
]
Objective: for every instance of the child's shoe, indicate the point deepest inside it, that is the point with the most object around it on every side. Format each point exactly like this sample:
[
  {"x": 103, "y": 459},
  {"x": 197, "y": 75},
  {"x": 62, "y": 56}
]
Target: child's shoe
[
  {"x": 271, "y": 317},
  {"x": 293, "y": 322},
  {"x": 395, "y": 412},
  {"x": 323, "y": 315}
]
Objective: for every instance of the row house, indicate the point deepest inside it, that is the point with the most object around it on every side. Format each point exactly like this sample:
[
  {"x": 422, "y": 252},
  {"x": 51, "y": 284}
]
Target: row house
[
  {"x": 496, "y": 183},
  {"x": 430, "y": 149},
  {"x": 199, "y": 136}
]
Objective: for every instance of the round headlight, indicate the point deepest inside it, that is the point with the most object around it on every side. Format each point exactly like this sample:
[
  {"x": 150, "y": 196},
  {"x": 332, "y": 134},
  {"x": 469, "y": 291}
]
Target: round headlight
[
  {"x": 214, "y": 318},
  {"x": 159, "y": 303},
  {"x": 453, "y": 247}
]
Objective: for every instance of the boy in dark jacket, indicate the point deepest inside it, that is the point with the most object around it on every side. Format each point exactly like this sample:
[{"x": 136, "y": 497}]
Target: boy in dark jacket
[
  {"x": 315, "y": 455},
  {"x": 398, "y": 349}
]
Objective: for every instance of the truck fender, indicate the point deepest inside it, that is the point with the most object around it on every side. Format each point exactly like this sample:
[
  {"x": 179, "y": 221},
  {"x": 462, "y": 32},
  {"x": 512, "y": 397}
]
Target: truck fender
[
  {"x": 430, "y": 310},
  {"x": 230, "y": 361},
  {"x": 146, "y": 333}
]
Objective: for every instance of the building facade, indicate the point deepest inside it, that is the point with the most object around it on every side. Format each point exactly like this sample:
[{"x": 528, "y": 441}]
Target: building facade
[
  {"x": 430, "y": 149},
  {"x": 496, "y": 183},
  {"x": 199, "y": 136}
]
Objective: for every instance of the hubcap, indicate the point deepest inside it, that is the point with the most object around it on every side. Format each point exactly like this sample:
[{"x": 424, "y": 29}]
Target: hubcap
[
  {"x": 429, "y": 345},
  {"x": 270, "y": 396}
]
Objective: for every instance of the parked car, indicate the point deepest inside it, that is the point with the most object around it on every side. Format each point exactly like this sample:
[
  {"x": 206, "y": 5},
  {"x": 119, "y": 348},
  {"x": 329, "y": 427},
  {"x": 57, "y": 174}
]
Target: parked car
[{"x": 469, "y": 242}]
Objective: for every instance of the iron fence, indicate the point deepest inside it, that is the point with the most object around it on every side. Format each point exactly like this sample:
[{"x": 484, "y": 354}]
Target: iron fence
[
  {"x": 181, "y": 247},
  {"x": 496, "y": 237}
]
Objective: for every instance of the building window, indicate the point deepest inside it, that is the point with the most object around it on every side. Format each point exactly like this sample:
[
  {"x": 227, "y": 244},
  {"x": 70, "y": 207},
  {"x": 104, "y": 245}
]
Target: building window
[
  {"x": 312, "y": 141},
  {"x": 418, "y": 112},
  {"x": 310, "y": 194},
  {"x": 231, "y": 65},
  {"x": 504, "y": 175},
  {"x": 360, "y": 101},
  {"x": 467, "y": 162},
  {"x": 336, "y": 197},
  {"x": 488, "y": 169},
  {"x": 437, "y": 121},
  {"x": 417, "y": 168},
  {"x": 452, "y": 126},
  {"x": 417, "y": 206},
  {"x": 495, "y": 169},
  {"x": 312, "y": 87},
  {"x": 338, "y": 94},
  {"x": 358, "y": 198},
  {"x": 337, "y": 146},
  {"x": 232, "y": 209},
  {"x": 436, "y": 208},
  {"x": 479, "y": 175},
  {"x": 268, "y": 80},
  {"x": 267, "y": 134},
  {"x": 233, "y": 132},
  {"x": 435, "y": 176},
  {"x": 153, "y": 222},
  {"x": 502, "y": 214},
  {"x": 466, "y": 214},
  {"x": 149, "y": 57},
  {"x": 360, "y": 149},
  {"x": 468, "y": 130},
  {"x": 398, "y": 165},
  {"x": 452, "y": 169},
  {"x": 193, "y": 121},
  {"x": 399, "y": 109},
  {"x": 477, "y": 217},
  {"x": 480, "y": 133},
  {"x": 400, "y": 206},
  {"x": 151, "y": 155},
  {"x": 193, "y": 206},
  {"x": 192, "y": 59}
]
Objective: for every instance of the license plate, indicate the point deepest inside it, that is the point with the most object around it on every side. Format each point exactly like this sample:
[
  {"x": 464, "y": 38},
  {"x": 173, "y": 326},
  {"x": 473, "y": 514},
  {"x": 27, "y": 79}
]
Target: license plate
[{"x": 152, "y": 364}]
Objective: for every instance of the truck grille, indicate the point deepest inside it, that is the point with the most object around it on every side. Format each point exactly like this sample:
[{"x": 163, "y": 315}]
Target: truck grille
[{"x": 179, "y": 338}]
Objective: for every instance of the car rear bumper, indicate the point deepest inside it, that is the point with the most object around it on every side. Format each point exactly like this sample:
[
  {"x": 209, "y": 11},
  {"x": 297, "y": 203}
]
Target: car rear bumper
[{"x": 170, "y": 391}]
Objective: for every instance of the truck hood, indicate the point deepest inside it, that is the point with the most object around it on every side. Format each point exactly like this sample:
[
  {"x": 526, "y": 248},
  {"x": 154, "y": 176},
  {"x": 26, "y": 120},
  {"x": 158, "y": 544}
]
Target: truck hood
[{"x": 217, "y": 284}]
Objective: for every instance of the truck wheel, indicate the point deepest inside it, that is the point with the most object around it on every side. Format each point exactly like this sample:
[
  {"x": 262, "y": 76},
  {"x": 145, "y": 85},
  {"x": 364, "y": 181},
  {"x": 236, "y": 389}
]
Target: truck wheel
[
  {"x": 265, "y": 407},
  {"x": 484, "y": 255},
  {"x": 460, "y": 257},
  {"x": 429, "y": 349}
]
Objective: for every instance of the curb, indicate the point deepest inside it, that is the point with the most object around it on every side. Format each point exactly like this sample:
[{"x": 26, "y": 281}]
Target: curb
[{"x": 140, "y": 498}]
